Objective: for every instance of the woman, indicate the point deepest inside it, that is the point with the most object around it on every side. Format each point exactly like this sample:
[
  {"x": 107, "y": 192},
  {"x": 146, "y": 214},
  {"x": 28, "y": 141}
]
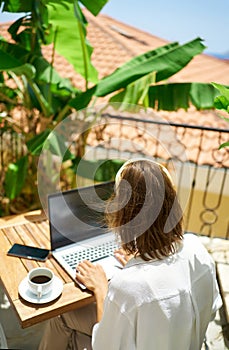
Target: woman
[{"x": 165, "y": 295}]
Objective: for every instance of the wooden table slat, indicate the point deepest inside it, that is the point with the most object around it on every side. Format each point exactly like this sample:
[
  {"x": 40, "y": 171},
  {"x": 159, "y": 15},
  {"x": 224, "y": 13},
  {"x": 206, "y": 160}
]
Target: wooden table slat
[
  {"x": 59, "y": 271},
  {"x": 11, "y": 235},
  {"x": 14, "y": 220},
  {"x": 31, "y": 313},
  {"x": 44, "y": 227},
  {"x": 32, "y": 236},
  {"x": 38, "y": 234},
  {"x": 27, "y": 238},
  {"x": 12, "y": 270},
  {"x": 33, "y": 229}
]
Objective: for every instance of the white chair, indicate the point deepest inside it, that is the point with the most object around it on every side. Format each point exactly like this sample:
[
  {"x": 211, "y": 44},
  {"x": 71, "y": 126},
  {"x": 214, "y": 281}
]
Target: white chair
[{"x": 3, "y": 342}]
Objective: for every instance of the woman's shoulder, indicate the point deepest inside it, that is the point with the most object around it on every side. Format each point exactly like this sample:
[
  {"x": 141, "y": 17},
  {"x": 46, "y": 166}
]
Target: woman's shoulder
[
  {"x": 194, "y": 248},
  {"x": 128, "y": 286},
  {"x": 192, "y": 240},
  {"x": 191, "y": 236},
  {"x": 127, "y": 280},
  {"x": 125, "y": 299}
]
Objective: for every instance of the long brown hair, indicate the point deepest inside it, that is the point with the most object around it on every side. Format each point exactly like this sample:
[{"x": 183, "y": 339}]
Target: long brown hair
[{"x": 144, "y": 211}]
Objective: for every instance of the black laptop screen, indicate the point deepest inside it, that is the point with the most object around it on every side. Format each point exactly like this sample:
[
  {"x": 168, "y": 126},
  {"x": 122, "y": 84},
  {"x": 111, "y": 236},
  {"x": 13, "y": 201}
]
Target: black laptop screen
[{"x": 77, "y": 214}]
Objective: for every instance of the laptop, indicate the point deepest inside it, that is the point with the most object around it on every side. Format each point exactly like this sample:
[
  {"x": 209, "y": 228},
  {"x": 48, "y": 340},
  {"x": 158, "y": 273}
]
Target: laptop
[{"x": 77, "y": 229}]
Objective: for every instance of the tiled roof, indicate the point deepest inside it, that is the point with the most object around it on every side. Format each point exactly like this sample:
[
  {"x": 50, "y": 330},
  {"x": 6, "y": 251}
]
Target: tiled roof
[{"x": 115, "y": 43}]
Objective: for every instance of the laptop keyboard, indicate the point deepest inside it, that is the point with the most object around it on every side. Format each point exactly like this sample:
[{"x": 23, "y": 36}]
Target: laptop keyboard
[{"x": 92, "y": 254}]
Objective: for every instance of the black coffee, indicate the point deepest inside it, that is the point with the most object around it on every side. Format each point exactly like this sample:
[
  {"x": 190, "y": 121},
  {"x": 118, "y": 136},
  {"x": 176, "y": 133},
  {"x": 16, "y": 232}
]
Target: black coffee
[{"x": 40, "y": 279}]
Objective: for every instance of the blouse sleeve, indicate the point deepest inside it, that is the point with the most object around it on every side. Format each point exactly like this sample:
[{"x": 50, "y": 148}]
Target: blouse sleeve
[
  {"x": 217, "y": 300},
  {"x": 114, "y": 331}
]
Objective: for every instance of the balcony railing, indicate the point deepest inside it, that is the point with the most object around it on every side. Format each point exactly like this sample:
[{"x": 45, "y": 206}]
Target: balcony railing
[{"x": 190, "y": 152}]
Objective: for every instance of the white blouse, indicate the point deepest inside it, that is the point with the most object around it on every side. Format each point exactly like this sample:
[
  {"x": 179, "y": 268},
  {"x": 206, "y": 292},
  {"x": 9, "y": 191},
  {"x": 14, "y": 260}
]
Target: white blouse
[{"x": 162, "y": 304}]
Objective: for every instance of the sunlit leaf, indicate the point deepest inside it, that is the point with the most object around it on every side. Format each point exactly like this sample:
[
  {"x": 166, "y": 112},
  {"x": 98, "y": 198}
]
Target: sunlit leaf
[
  {"x": 165, "y": 61},
  {"x": 203, "y": 95},
  {"x": 69, "y": 38},
  {"x": 15, "y": 177},
  {"x": 135, "y": 93},
  {"x": 94, "y": 6},
  {"x": 35, "y": 145},
  {"x": 26, "y": 69},
  {"x": 221, "y": 102},
  {"x": 222, "y": 89},
  {"x": 98, "y": 170},
  {"x": 17, "y": 5},
  {"x": 7, "y": 61},
  {"x": 57, "y": 145},
  {"x": 12, "y": 56},
  {"x": 82, "y": 100},
  {"x": 172, "y": 97},
  {"x": 226, "y": 144}
]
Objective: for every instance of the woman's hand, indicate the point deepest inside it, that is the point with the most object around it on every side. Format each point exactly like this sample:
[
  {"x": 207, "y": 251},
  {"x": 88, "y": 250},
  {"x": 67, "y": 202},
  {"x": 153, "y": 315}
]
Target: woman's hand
[
  {"x": 122, "y": 256},
  {"x": 95, "y": 279},
  {"x": 92, "y": 276}
]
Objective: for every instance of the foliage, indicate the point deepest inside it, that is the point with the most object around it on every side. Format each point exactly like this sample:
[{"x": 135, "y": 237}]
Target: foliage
[
  {"x": 222, "y": 103},
  {"x": 29, "y": 82},
  {"x": 169, "y": 97}
]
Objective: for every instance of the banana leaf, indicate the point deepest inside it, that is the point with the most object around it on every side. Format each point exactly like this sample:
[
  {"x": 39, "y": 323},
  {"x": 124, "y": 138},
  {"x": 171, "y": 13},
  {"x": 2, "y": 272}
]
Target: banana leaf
[
  {"x": 12, "y": 55},
  {"x": 98, "y": 170},
  {"x": 49, "y": 140},
  {"x": 16, "y": 5},
  {"x": 161, "y": 63},
  {"x": 135, "y": 93},
  {"x": 203, "y": 95},
  {"x": 82, "y": 100},
  {"x": 224, "y": 90},
  {"x": 56, "y": 143},
  {"x": 15, "y": 177},
  {"x": 171, "y": 97},
  {"x": 165, "y": 61},
  {"x": 44, "y": 71},
  {"x": 35, "y": 145},
  {"x": 222, "y": 101},
  {"x": 26, "y": 5},
  {"x": 94, "y": 6},
  {"x": 9, "y": 62},
  {"x": 225, "y": 144},
  {"x": 71, "y": 40}
]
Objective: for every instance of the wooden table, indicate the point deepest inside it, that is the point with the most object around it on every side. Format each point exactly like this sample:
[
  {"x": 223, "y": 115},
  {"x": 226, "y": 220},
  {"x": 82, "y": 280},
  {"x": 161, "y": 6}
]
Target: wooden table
[{"x": 33, "y": 229}]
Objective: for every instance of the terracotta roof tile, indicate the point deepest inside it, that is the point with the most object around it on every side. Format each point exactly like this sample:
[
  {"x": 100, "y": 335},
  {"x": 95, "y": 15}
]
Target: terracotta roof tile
[{"x": 115, "y": 43}]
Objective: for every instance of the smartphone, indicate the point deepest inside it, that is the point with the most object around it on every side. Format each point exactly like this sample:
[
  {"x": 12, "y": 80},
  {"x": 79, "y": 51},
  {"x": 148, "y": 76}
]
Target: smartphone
[{"x": 27, "y": 252}]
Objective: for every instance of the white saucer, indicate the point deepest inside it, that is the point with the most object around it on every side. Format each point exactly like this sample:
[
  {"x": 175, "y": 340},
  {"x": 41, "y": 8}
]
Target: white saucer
[{"x": 27, "y": 295}]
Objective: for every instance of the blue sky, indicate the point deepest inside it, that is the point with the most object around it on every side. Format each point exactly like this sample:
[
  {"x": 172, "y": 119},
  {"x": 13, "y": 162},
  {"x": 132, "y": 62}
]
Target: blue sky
[{"x": 175, "y": 20}]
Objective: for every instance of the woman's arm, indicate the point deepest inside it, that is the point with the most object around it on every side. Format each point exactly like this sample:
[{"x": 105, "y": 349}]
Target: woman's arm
[
  {"x": 94, "y": 278},
  {"x": 122, "y": 256}
]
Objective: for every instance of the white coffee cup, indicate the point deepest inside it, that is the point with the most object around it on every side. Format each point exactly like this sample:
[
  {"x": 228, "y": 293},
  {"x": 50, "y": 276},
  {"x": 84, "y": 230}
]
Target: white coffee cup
[{"x": 40, "y": 281}]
